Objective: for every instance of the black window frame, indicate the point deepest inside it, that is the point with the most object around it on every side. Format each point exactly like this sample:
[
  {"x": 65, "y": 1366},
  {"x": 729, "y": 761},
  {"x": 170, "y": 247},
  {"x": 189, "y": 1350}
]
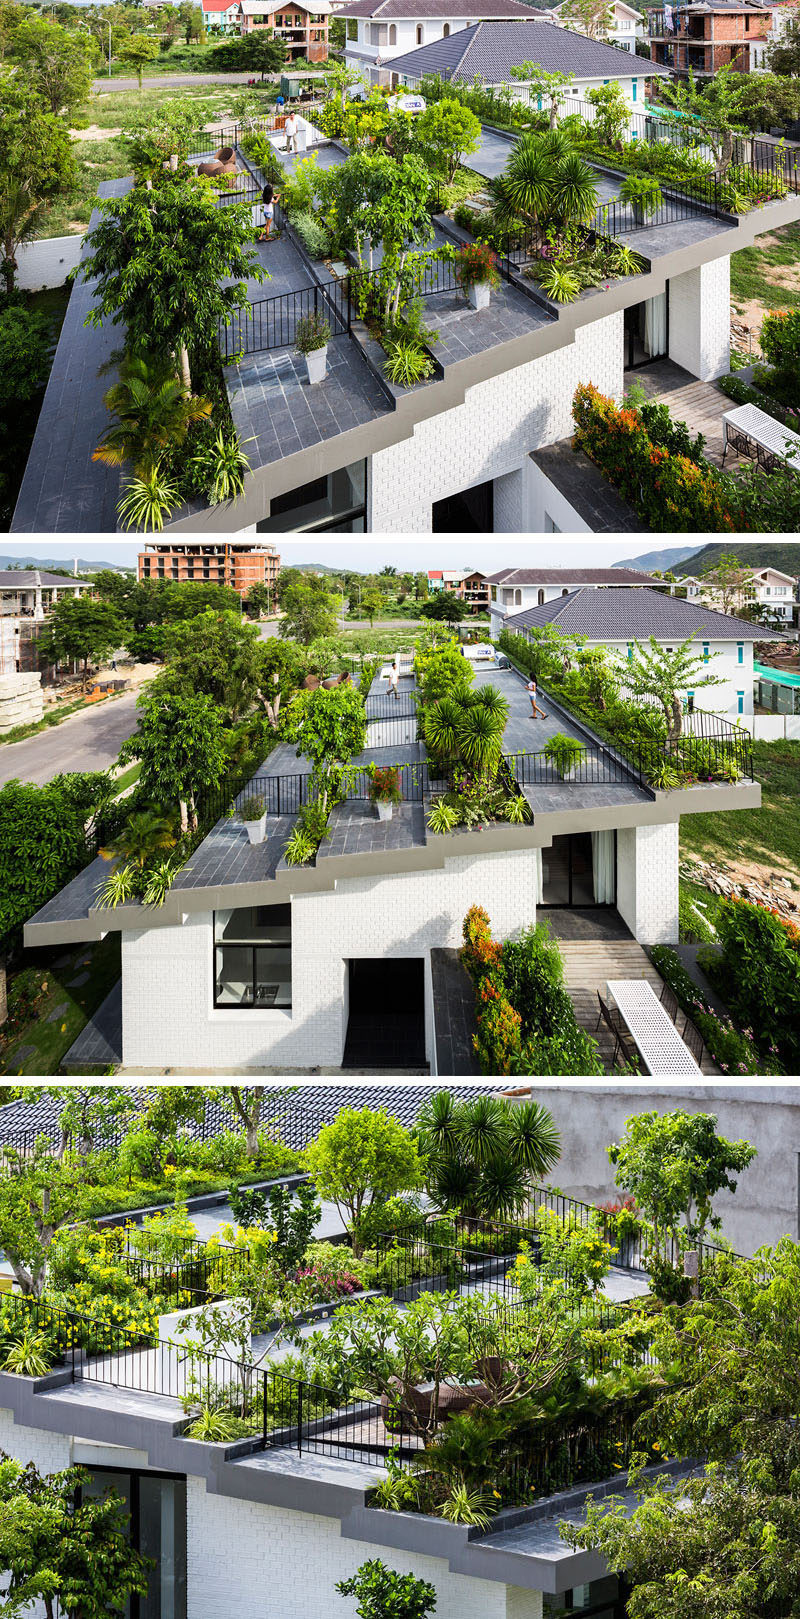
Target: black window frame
[
  {"x": 259, "y": 944},
  {"x": 135, "y": 1475},
  {"x": 585, "y": 905}
]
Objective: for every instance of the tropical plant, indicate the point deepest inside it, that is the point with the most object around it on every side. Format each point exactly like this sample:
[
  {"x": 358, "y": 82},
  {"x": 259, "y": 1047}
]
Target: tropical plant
[
  {"x": 643, "y": 192},
  {"x": 384, "y": 1594},
  {"x": 442, "y": 817},
  {"x": 565, "y": 752},
  {"x": 361, "y": 1159},
  {"x": 300, "y": 848},
  {"x": 515, "y": 809},
  {"x": 215, "y": 1426},
  {"x": 153, "y": 410},
  {"x": 29, "y": 1355},
  {"x": 385, "y": 785},
  {"x": 482, "y": 1155},
  {"x": 407, "y": 363},
  {"x": 160, "y": 878},
  {"x": 665, "y": 673},
  {"x": 118, "y": 889},
  {"x": 559, "y": 283},
  {"x": 147, "y": 499},
  {"x": 224, "y": 464},
  {"x": 143, "y": 835}
]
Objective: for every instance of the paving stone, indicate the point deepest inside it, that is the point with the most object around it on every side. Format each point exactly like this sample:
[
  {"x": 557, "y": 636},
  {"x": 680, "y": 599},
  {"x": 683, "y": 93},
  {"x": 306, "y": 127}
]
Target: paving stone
[
  {"x": 58, "y": 1012},
  {"x": 75, "y": 983}
]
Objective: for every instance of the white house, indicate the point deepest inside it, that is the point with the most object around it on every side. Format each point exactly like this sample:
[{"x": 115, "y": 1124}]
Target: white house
[
  {"x": 379, "y": 30},
  {"x": 765, "y": 587},
  {"x": 616, "y": 619},
  {"x": 625, "y": 24},
  {"x": 222, "y": 16},
  {"x": 488, "y": 50},
  {"x": 516, "y": 589}
]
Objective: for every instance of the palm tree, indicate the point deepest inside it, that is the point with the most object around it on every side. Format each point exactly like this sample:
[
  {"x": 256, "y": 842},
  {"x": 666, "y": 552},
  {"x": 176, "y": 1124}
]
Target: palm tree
[
  {"x": 443, "y": 729},
  {"x": 481, "y": 739},
  {"x": 143, "y": 835},
  {"x": 154, "y": 411},
  {"x": 546, "y": 182},
  {"x": 575, "y": 191},
  {"x": 482, "y": 1154}
]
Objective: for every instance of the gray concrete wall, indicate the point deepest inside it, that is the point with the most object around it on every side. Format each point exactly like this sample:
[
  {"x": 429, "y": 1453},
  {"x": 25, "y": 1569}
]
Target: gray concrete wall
[{"x": 765, "y": 1206}]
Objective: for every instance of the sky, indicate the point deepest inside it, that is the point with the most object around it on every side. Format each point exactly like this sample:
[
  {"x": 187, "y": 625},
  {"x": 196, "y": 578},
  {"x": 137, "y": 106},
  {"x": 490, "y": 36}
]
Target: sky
[{"x": 370, "y": 555}]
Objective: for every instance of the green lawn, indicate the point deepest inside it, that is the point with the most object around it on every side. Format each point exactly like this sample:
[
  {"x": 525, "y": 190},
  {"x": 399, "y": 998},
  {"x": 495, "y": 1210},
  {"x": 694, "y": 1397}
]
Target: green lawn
[
  {"x": 109, "y": 109},
  {"x": 769, "y": 833},
  {"x": 748, "y": 280},
  {"x": 56, "y": 1012}
]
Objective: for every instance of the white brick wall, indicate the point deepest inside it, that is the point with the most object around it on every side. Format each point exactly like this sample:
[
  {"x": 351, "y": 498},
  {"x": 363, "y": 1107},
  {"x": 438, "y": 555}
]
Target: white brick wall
[
  {"x": 647, "y": 881},
  {"x": 50, "y": 1452},
  {"x": 491, "y": 434},
  {"x": 699, "y": 319},
  {"x": 169, "y": 1019},
  {"x": 260, "y": 1562}
]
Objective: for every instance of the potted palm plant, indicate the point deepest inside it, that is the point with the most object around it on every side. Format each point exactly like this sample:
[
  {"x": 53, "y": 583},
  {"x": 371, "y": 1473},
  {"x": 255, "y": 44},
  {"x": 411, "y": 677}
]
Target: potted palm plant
[
  {"x": 312, "y": 336},
  {"x": 477, "y": 272},
  {"x": 385, "y": 791},
  {"x": 253, "y": 815}
]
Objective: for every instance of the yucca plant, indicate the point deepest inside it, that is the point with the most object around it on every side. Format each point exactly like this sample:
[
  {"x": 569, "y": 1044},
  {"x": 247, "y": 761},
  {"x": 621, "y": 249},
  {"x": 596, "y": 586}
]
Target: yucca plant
[
  {"x": 148, "y": 498},
  {"x": 442, "y": 817},
  {"x": 117, "y": 890},
  {"x": 480, "y": 739},
  {"x": 214, "y": 1426},
  {"x": 224, "y": 464}
]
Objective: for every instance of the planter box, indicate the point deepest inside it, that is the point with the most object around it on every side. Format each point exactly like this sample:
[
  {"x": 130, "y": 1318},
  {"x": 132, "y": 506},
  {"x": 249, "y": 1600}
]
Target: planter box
[
  {"x": 384, "y": 808},
  {"x": 317, "y": 364},
  {"x": 256, "y": 830},
  {"x": 479, "y": 294}
]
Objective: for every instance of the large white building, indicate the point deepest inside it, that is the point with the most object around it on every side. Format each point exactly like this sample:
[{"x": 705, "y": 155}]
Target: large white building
[
  {"x": 767, "y": 588},
  {"x": 617, "y": 619},
  {"x": 378, "y": 30},
  {"x": 514, "y": 590},
  {"x": 625, "y": 23},
  {"x": 487, "y": 51}
]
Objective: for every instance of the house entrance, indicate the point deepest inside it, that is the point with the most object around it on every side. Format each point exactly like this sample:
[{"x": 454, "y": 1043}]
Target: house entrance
[
  {"x": 646, "y": 331},
  {"x": 386, "y": 1023},
  {"x": 471, "y": 511},
  {"x": 580, "y": 870}
]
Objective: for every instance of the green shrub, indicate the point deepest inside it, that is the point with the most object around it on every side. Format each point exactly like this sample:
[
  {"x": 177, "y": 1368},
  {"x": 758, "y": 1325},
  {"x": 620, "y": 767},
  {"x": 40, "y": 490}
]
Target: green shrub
[
  {"x": 760, "y": 977},
  {"x": 732, "y": 1051},
  {"x": 312, "y": 234},
  {"x": 407, "y": 364}
]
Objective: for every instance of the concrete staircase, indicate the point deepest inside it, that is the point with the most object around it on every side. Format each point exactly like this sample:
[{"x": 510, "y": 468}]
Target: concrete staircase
[{"x": 588, "y": 964}]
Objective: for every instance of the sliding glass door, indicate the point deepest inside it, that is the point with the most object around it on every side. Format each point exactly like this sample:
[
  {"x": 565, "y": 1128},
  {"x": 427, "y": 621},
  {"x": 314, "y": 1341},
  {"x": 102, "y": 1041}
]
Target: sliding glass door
[{"x": 580, "y": 870}]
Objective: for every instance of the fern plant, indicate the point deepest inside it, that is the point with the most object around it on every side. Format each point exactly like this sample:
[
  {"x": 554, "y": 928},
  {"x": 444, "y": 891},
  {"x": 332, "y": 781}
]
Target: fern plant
[{"x": 148, "y": 498}]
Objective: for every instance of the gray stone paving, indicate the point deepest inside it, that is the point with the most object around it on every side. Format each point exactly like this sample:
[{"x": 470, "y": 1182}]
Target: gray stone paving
[
  {"x": 464, "y": 331},
  {"x": 274, "y": 406},
  {"x": 62, "y": 487},
  {"x": 75, "y": 983},
  {"x": 226, "y": 857},
  {"x": 583, "y": 485},
  {"x": 74, "y": 902},
  {"x": 58, "y": 1012},
  {"x": 453, "y": 1015},
  {"x": 355, "y": 829}
]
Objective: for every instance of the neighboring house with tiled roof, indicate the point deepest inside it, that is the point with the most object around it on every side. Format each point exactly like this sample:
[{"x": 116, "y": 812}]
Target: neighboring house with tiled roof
[
  {"x": 222, "y": 16},
  {"x": 617, "y": 619},
  {"x": 379, "y": 30},
  {"x": 488, "y": 50},
  {"x": 707, "y": 35},
  {"x": 515, "y": 589}
]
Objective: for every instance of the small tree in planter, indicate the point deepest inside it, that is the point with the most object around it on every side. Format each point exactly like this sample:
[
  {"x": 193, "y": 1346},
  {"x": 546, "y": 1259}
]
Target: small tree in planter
[
  {"x": 385, "y": 791},
  {"x": 312, "y": 336},
  {"x": 384, "y": 1594},
  {"x": 477, "y": 271},
  {"x": 644, "y": 194},
  {"x": 253, "y": 815}
]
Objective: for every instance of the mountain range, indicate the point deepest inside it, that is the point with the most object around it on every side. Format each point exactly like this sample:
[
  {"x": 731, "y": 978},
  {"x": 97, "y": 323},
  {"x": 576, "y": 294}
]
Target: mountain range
[{"x": 85, "y": 564}]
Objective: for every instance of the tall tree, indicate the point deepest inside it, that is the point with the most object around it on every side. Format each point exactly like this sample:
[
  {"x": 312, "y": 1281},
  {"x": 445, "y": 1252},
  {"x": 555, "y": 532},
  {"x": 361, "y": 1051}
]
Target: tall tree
[
  {"x": 728, "y": 580},
  {"x": 162, "y": 261},
  {"x": 592, "y": 17},
  {"x": 552, "y": 87},
  {"x": 216, "y": 655},
  {"x": 329, "y": 727},
  {"x": 309, "y": 609},
  {"x": 716, "y": 109},
  {"x": 62, "y": 1544},
  {"x": 58, "y": 63},
  {"x": 36, "y": 165},
  {"x": 674, "y": 1165},
  {"x": 38, "y": 1195},
  {"x": 665, "y": 674},
  {"x": 180, "y": 742},
  {"x": 81, "y": 629},
  {"x": 783, "y": 52},
  {"x": 139, "y": 49}
]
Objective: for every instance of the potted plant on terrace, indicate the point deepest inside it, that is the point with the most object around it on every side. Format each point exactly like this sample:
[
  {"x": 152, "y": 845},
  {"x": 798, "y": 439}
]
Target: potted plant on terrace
[
  {"x": 565, "y": 753},
  {"x": 644, "y": 194},
  {"x": 385, "y": 791},
  {"x": 477, "y": 271},
  {"x": 253, "y": 815},
  {"x": 312, "y": 336}
]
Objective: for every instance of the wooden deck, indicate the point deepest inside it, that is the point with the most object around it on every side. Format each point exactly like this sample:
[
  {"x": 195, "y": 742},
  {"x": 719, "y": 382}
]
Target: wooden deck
[
  {"x": 588, "y": 964},
  {"x": 699, "y": 404}
]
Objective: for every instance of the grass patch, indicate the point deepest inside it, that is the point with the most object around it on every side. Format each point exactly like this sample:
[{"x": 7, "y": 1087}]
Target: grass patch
[
  {"x": 109, "y": 109},
  {"x": 40, "y": 1033},
  {"x": 748, "y": 266},
  {"x": 69, "y": 214},
  {"x": 465, "y": 184},
  {"x": 127, "y": 778},
  {"x": 771, "y": 833}
]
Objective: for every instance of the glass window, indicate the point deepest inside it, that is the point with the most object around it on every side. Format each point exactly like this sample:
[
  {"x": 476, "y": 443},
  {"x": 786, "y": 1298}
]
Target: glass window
[
  {"x": 156, "y": 1508},
  {"x": 705, "y": 652},
  {"x": 740, "y": 653},
  {"x": 334, "y": 503},
  {"x": 740, "y": 702},
  {"x": 253, "y": 958}
]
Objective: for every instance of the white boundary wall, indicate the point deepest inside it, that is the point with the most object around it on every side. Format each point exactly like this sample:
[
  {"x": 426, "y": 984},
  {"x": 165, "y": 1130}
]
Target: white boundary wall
[{"x": 47, "y": 262}]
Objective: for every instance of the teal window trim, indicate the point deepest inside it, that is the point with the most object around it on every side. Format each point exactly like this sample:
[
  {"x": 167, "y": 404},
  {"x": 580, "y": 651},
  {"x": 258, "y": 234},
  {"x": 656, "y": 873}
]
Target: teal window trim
[
  {"x": 630, "y": 653},
  {"x": 740, "y": 653},
  {"x": 740, "y": 702},
  {"x": 635, "y": 88},
  {"x": 705, "y": 652}
]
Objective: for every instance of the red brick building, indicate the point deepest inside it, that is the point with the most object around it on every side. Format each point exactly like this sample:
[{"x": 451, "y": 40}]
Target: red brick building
[
  {"x": 302, "y": 27},
  {"x": 709, "y": 34},
  {"x": 236, "y": 563}
]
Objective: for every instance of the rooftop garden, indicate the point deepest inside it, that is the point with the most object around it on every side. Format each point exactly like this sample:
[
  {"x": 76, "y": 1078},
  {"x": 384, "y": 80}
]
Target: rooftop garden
[
  {"x": 636, "y": 703},
  {"x": 657, "y": 466},
  {"x": 470, "y": 1351}
]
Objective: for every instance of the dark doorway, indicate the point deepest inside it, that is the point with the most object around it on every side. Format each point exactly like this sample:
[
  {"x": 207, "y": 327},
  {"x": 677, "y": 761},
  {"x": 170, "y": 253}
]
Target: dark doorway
[
  {"x": 579, "y": 869},
  {"x": 471, "y": 511},
  {"x": 386, "y": 1025},
  {"x": 646, "y": 328}
]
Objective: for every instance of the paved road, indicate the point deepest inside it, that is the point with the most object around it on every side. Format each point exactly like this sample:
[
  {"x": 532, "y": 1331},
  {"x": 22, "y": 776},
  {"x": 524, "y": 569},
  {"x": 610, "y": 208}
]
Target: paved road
[{"x": 90, "y": 741}]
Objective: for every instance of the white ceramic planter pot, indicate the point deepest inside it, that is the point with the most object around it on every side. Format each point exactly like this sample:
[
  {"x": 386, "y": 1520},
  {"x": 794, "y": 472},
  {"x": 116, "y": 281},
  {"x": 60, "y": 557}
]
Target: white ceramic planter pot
[
  {"x": 256, "y": 830},
  {"x": 317, "y": 364},
  {"x": 384, "y": 809},
  {"x": 479, "y": 294}
]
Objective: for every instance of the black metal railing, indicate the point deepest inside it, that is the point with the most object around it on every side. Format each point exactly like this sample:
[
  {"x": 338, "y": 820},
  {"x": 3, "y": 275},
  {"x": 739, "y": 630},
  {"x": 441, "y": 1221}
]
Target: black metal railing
[
  {"x": 594, "y": 766},
  {"x": 271, "y": 323},
  {"x": 207, "y": 142},
  {"x": 304, "y": 1416}
]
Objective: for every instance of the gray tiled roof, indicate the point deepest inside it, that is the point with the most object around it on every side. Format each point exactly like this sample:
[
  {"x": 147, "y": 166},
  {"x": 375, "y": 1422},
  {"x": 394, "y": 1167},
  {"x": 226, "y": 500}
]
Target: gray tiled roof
[
  {"x": 489, "y": 50},
  {"x": 437, "y": 8},
  {"x": 630, "y": 615},
  {"x": 570, "y": 576},
  {"x": 29, "y": 578}
]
